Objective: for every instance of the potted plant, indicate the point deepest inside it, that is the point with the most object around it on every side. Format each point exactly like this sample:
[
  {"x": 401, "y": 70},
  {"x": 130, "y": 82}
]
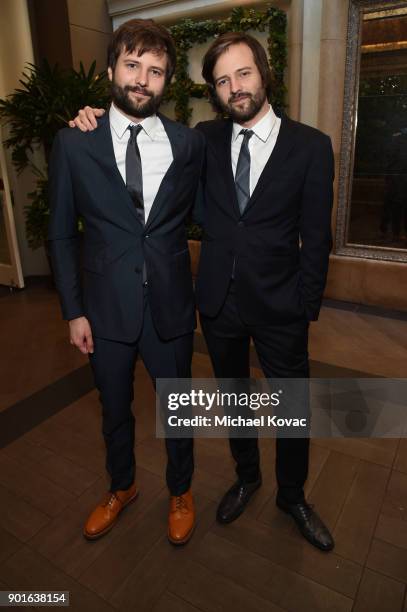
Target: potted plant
[{"x": 47, "y": 99}]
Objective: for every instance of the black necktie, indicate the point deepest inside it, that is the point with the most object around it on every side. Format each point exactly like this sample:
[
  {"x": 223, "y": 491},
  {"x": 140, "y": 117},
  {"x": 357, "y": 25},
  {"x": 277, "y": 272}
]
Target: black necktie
[
  {"x": 134, "y": 174},
  {"x": 242, "y": 177}
]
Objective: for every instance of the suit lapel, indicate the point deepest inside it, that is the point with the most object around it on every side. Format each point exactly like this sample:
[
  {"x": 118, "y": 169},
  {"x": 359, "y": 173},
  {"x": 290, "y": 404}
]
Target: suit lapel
[
  {"x": 284, "y": 144},
  {"x": 222, "y": 147},
  {"x": 101, "y": 148},
  {"x": 176, "y": 136}
]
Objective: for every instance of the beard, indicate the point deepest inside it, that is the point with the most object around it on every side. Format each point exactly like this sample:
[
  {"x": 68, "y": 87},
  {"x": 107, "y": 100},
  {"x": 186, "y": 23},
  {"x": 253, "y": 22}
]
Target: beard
[
  {"x": 140, "y": 110},
  {"x": 253, "y": 104}
]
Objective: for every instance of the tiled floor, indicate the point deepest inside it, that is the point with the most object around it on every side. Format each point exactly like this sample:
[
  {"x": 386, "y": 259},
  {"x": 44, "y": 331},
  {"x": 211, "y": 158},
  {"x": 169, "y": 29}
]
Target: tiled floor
[{"x": 52, "y": 473}]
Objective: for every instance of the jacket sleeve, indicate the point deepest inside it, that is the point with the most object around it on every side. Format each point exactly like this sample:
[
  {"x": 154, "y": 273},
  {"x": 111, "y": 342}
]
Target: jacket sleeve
[
  {"x": 315, "y": 225},
  {"x": 63, "y": 235}
]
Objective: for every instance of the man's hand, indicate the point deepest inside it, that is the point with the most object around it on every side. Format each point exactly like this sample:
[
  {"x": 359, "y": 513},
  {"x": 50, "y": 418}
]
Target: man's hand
[
  {"x": 85, "y": 120},
  {"x": 81, "y": 335}
]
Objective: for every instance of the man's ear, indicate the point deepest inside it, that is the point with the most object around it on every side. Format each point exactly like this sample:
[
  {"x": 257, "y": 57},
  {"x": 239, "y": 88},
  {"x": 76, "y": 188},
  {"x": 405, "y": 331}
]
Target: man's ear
[{"x": 110, "y": 73}]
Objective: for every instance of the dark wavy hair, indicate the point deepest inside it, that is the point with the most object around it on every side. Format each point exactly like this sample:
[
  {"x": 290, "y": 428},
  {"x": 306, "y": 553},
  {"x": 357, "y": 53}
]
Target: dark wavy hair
[
  {"x": 219, "y": 46},
  {"x": 148, "y": 36}
]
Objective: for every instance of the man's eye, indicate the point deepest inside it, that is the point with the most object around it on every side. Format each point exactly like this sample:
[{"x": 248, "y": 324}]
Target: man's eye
[
  {"x": 156, "y": 73},
  {"x": 245, "y": 73},
  {"x": 221, "y": 82}
]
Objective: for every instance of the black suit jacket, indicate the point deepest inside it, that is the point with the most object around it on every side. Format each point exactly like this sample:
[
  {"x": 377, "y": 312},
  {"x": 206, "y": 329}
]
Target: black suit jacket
[
  {"x": 85, "y": 181},
  {"x": 276, "y": 278}
]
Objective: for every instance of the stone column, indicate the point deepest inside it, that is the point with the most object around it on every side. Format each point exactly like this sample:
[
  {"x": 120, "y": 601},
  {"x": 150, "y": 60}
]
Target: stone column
[
  {"x": 294, "y": 52},
  {"x": 311, "y": 61},
  {"x": 332, "y": 75}
]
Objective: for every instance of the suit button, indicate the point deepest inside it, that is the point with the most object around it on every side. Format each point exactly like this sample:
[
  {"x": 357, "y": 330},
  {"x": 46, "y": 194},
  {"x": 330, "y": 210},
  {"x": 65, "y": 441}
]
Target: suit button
[
  {"x": 147, "y": 236},
  {"x": 137, "y": 270},
  {"x": 241, "y": 223}
]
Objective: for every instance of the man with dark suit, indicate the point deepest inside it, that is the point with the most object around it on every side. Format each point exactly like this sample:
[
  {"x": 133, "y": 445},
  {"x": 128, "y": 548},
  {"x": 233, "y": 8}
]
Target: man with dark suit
[
  {"x": 267, "y": 191},
  {"x": 267, "y": 186},
  {"x": 132, "y": 182}
]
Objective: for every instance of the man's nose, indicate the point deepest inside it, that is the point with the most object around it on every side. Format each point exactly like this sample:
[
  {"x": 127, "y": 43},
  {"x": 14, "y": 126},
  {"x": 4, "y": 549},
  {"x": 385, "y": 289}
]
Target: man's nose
[
  {"x": 142, "y": 77},
  {"x": 234, "y": 85}
]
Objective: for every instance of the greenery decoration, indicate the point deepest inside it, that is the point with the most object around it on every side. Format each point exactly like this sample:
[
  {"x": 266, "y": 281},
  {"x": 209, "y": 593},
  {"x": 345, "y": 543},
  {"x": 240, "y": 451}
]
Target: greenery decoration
[
  {"x": 194, "y": 231},
  {"x": 47, "y": 99},
  {"x": 189, "y": 33},
  {"x": 37, "y": 213}
]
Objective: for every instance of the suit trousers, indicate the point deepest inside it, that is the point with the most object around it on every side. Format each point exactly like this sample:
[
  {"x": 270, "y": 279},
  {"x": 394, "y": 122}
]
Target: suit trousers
[
  {"x": 282, "y": 349},
  {"x": 113, "y": 366}
]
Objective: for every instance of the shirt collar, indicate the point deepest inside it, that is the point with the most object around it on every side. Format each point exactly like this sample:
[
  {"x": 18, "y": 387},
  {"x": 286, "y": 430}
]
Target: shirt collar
[
  {"x": 262, "y": 128},
  {"x": 120, "y": 123}
]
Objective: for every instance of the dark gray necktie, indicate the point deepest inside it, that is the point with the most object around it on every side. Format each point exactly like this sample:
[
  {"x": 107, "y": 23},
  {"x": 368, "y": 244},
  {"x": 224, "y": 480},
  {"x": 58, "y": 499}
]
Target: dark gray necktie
[
  {"x": 242, "y": 177},
  {"x": 134, "y": 175},
  {"x": 134, "y": 179}
]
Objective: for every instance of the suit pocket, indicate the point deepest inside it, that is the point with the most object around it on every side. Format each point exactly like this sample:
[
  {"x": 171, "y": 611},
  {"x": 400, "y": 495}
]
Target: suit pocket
[
  {"x": 181, "y": 259},
  {"x": 97, "y": 259},
  {"x": 275, "y": 251},
  {"x": 94, "y": 260},
  {"x": 169, "y": 251},
  {"x": 179, "y": 253}
]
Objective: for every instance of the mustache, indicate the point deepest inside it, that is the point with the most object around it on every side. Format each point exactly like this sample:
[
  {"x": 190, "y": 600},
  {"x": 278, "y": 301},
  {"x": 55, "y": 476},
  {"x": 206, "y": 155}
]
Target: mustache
[
  {"x": 136, "y": 89},
  {"x": 238, "y": 95}
]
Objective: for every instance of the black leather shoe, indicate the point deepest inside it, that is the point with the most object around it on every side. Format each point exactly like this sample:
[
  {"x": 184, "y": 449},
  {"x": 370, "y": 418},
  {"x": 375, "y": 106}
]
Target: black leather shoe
[
  {"x": 235, "y": 500},
  {"x": 309, "y": 523}
]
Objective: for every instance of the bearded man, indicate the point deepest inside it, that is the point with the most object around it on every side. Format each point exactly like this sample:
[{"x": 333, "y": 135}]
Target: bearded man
[
  {"x": 268, "y": 192},
  {"x": 132, "y": 182}
]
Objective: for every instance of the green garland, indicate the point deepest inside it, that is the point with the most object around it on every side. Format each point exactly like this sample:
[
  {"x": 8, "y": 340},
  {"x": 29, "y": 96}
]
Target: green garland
[{"x": 188, "y": 33}]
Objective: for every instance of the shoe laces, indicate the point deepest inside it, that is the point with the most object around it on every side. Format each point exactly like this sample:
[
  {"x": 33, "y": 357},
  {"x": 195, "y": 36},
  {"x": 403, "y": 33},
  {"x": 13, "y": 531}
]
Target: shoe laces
[
  {"x": 306, "y": 510},
  {"x": 110, "y": 500},
  {"x": 180, "y": 503}
]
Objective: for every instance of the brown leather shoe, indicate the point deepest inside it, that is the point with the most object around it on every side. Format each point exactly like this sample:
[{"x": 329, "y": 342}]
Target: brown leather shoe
[
  {"x": 181, "y": 518},
  {"x": 105, "y": 515}
]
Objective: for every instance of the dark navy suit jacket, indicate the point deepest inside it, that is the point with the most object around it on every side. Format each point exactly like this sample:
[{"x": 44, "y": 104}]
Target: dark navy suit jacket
[
  {"x": 277, "y": 277},
  {"x": 85, "y": 182}
]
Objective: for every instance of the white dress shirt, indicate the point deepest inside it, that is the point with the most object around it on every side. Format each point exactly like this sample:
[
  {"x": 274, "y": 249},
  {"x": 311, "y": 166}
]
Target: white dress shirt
[
  {"x": 155, "y": 151},
  {"x": 261, "y": 145}
]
